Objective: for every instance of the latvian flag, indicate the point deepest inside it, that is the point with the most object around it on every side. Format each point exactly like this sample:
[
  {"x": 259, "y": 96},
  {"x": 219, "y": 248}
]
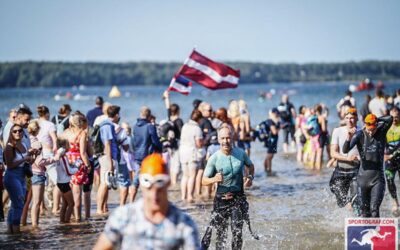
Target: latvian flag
[
  {"x": 180, "y": 84},
  {"x": 208, "y": 73}
]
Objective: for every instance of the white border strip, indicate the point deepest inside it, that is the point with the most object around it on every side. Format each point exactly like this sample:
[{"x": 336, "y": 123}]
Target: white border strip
[
  {"x": 180, "y": 87},
  {"x": 211, "y": 72}
]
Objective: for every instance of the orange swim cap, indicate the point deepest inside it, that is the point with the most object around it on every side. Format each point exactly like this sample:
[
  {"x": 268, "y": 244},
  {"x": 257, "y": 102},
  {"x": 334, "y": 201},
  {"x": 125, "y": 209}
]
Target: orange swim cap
[
  {"x": 370, "y": 121},
  {"x": 351, "y": 110},
  {"x": 153, "y": 165}
]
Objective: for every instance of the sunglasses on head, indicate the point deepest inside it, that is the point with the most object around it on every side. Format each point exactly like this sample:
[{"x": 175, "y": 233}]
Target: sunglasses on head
[
  {"x": 17, "y": 131},
  {"x": 159, "y": 181}
]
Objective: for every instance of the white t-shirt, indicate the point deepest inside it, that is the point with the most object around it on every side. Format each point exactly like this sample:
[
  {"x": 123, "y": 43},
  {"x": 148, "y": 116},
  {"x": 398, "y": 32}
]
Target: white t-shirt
[
  {"x": 99, "y": 120},
  {"x": 377, "y": 107},
  {"x": 46, "y": 127},
  {"x": 191, "y": 132},
  {"x": 62, "y": 176},
  {"x": 122, "y": 140},
  {"x": 339, "y": 136}
]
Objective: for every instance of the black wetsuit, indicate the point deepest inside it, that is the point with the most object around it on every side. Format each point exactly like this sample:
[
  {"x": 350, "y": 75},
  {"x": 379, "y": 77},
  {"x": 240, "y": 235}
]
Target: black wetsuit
[{"x": 371, "y": 177}]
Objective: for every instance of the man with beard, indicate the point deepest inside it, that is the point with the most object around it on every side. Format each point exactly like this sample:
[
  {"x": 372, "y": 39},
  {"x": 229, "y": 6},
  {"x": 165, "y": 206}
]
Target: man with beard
[
  {"x": 344, "y": 177},
  {"x": 226, "y": 167}
]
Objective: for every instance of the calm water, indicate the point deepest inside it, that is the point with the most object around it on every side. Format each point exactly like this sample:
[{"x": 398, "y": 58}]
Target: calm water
[{"x": 293, "y": 210}]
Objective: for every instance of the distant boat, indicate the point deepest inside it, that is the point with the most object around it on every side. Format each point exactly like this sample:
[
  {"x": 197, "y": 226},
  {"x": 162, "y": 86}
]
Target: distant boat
[
  {"x": 114, "y": 92},
  {"x": 365, "y": 85},
  {"x": 67, "y": 96}
]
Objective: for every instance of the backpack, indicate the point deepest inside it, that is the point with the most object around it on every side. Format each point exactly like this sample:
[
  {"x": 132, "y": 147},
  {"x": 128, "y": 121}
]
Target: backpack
[
  {"x": 60, "y": 125},
  {"x": 313, "y": 125},
  {"x": 263, "y": 131},
  {"x": 166, "y": 133},
  {"x": 284, "y": 112},
  {"x": 98, "y": 146}
]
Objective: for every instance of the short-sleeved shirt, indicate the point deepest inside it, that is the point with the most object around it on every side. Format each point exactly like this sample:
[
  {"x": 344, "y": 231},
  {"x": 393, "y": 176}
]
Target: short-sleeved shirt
[
  {"x": 46, "y": 127},
  {"x": 393, "y": 139},
  {"x": 128, "y": 225},
  {"x": 93, "y": 114},
  {"x": 377, "y": 107},
  {"x": 190, "y": 133},
  {"x": 122, "y": 140},
  {"x": 339, "y": 136},
  {"x": 231, "y": 166},
  {"x": 107, "y": 133}
]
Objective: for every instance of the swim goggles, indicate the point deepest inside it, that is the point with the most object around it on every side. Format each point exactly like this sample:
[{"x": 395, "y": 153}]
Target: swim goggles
[{"x": 159, "y": 180}]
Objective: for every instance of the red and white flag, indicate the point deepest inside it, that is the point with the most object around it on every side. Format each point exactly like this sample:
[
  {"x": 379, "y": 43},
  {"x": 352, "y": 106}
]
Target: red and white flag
[
  {"x": 208, "y": 73},
  {"x": 180, "y": 84}
]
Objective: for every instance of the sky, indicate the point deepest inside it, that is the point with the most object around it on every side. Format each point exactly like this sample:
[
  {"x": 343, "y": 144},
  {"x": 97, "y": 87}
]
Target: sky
[{"x": 280, "y": 31}]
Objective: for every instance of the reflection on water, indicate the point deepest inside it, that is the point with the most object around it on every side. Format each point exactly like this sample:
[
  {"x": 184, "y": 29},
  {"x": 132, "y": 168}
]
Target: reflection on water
[{"x": 292, "y": 210}]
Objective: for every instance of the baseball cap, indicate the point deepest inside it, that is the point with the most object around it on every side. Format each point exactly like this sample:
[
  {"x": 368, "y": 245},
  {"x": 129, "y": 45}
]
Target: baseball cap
[{"x": 370, "y": 121}]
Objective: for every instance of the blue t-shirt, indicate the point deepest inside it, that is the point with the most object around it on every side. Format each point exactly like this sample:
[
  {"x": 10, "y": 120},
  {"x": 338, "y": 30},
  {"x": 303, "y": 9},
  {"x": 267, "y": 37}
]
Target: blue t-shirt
[
  {"x": 93, "y": 114},
  {"x": 232, "y": 168},
  {"x": 107, "y": 132}
]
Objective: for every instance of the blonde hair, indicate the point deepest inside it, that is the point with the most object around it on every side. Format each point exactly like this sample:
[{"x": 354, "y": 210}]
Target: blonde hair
[
  {"x": 242, "y": 105},
  {"x": 33, "y": 127},
  {"x": 233, "y": 110},
  {"x": 77, "y": 120},
  {"x": 105, "y": 107}
]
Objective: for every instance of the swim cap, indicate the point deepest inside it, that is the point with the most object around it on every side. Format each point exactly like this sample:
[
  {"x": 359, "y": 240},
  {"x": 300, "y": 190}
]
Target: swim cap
[
  {"x": 370, "y": 121},
  {"x": 154, "y": 165},
  {"x": 351, "y": 110}
]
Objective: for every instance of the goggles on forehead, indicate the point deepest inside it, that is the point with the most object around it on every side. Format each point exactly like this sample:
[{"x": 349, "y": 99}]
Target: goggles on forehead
[
  {"x": 352, "y": 111},
  {"x": 159, "y": 180}
]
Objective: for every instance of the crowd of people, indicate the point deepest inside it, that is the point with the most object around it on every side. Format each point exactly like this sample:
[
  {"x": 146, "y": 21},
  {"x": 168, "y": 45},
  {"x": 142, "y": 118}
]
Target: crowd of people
[{"x": 55, "y": 163}]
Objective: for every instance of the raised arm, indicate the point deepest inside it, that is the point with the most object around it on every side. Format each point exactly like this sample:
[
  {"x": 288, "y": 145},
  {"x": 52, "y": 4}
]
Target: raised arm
[
  {"x": 351, "y": 140},
  {"x": 385, "y": 122}
]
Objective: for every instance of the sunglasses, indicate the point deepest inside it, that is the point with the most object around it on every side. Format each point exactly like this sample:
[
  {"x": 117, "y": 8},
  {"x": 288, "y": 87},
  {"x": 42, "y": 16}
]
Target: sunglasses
[
  {"x": 159, "y": 181},
  {"x": 370, "y": 123},
  {"x": 17, "y": 131}
]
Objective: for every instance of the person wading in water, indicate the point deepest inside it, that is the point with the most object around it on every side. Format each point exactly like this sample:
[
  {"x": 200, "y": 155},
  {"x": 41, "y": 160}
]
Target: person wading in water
[{"x": 226, "y": 167}]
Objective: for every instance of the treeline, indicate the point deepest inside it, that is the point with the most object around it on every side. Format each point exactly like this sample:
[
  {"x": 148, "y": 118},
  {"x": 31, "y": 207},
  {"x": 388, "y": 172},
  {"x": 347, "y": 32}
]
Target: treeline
[{"x": 46, "y": 74}]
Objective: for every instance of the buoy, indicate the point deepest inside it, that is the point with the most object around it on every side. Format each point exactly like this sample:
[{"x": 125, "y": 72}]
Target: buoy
[
  {"x": 114, "y": 92},
  {"x": 352, "y": 88}
]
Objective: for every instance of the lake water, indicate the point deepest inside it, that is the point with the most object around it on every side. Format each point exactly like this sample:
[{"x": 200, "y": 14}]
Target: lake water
[{"x": 293, "y": 210}]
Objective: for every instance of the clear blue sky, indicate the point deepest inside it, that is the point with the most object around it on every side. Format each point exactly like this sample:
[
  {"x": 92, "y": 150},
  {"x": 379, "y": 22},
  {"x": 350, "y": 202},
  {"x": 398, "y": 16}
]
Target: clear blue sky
[{"x": 259, "y": 31}]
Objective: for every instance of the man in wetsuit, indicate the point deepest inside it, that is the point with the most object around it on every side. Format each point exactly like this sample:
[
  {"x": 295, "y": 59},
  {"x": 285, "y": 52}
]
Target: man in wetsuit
[
  {"x": 344, "y": 177},
  {"x": 227, "y": 167},
  {"x": 370, "y": 143},
  {"x": 392, "y": 157}
]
